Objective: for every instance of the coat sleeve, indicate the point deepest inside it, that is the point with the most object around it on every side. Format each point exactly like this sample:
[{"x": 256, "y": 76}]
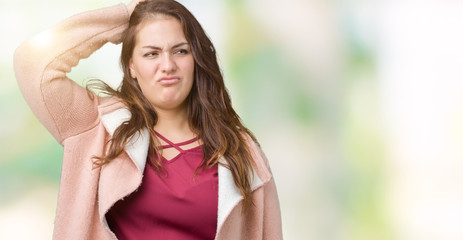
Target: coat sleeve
[
  {"x": 272, "y": 228},
  {"x": 272, "y": 216},
  {"x": 41, "y": 64},
  {"x": 272, "y": 225}
]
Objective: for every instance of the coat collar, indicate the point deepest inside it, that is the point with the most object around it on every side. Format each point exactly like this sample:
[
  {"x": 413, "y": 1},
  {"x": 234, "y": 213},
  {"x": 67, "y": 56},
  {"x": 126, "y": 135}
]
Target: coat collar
[
  {"x": 229, "y": 195},
  {"x": 137, "y": 149}
]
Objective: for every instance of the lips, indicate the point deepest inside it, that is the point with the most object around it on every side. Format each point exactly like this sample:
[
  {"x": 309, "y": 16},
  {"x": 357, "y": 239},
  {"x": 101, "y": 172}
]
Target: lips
[{"x": 169, "y": 80}]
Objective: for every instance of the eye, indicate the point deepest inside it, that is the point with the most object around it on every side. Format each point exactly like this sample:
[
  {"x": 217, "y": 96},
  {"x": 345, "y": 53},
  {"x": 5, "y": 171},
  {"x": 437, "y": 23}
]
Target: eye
[
  {"x": 181, "y": 51},
  {"x": 150, "y": 54}
]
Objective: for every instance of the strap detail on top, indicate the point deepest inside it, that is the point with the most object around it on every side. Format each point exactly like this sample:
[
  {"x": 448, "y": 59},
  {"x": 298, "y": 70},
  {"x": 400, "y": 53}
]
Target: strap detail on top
[{"x": 171, "y": 144}]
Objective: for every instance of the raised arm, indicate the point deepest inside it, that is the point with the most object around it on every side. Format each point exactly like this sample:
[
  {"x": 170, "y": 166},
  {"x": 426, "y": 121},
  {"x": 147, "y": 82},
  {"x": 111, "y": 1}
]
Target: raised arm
[{"x": 42, "y": 62}]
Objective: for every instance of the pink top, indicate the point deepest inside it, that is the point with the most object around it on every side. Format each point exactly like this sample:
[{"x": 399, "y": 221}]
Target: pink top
[{"x": 171, "y": 205}]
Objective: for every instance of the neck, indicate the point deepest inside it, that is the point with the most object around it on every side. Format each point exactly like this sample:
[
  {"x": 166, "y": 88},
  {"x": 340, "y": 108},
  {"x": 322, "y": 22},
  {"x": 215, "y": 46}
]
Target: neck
[{"x": 173, "y": 124}]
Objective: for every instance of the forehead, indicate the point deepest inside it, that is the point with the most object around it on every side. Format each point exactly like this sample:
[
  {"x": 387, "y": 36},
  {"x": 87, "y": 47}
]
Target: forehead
[{"x": 159, "y": 30}]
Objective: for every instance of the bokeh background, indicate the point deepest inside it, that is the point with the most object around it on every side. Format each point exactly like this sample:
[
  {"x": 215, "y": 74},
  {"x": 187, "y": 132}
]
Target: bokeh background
[{"x": 358, "y": 105}]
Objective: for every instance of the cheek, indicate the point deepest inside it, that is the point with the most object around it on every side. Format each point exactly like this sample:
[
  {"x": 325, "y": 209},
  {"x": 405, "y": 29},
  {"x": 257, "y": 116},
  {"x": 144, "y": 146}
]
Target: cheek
[
  {"x": 145, "y": 89},
  {"x": 145, "y": 69},
  {"x": 145, "y": 78},
  {"x": 188, "y": 67}
]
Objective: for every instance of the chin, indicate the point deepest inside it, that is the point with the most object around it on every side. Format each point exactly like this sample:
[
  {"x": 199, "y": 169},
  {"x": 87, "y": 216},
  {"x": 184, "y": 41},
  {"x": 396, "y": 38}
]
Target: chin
[{"x": 168, "y": 105}]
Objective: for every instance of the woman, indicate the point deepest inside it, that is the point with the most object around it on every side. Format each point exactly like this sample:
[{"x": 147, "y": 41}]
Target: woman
[{"x": 163, "y": 157}]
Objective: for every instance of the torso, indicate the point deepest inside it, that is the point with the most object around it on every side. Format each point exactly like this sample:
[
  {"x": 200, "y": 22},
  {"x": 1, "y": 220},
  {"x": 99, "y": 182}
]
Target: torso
[{"x": 173, "y": 204}]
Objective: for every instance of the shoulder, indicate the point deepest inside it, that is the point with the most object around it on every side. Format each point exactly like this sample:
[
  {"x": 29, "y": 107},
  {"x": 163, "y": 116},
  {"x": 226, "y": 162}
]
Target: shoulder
[
  {"x": 110, "y": 104},
  {"x": 261, "y": 163},
  {"x": 113, "y": 112}
]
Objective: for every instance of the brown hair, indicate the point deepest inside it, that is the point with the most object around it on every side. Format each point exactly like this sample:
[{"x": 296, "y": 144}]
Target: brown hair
[{"x": 210, "y": 112}]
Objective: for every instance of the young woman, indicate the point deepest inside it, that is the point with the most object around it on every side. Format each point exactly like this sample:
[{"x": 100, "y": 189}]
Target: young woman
[{"x": 165, "y": 156}]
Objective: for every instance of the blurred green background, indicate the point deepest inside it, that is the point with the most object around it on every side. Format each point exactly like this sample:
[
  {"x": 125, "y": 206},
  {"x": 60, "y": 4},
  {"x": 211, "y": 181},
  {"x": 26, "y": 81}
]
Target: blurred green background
[{"x": 357, "y": 104}]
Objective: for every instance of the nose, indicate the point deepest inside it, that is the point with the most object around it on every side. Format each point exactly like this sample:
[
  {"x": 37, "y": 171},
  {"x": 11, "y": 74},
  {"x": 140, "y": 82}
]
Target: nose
[{"x": 168, "y": 64}]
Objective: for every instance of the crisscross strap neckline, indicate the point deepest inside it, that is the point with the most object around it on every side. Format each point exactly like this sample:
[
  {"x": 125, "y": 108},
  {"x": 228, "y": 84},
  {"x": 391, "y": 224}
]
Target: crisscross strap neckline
[{"x": 171, "y": 144}]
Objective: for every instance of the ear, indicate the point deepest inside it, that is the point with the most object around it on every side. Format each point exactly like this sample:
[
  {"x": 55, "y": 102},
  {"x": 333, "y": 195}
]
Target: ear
[{"x": 133, "y": 74}]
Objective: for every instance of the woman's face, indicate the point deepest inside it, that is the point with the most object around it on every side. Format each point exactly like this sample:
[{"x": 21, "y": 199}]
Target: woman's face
[{"x": 162, "y": 63}]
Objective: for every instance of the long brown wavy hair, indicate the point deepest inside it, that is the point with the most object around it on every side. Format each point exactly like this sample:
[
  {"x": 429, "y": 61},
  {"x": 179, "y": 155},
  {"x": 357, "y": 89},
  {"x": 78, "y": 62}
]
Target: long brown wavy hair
[{"x": 210, "y": 113}]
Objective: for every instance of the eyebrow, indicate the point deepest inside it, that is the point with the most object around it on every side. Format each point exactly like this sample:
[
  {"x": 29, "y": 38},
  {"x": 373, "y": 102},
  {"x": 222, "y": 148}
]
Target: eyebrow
[{"x": 159, "y": 48}]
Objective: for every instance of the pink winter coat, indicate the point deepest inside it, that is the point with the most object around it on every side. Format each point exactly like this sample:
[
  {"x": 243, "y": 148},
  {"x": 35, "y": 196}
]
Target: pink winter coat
[{"x": 82, "y": 124}]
